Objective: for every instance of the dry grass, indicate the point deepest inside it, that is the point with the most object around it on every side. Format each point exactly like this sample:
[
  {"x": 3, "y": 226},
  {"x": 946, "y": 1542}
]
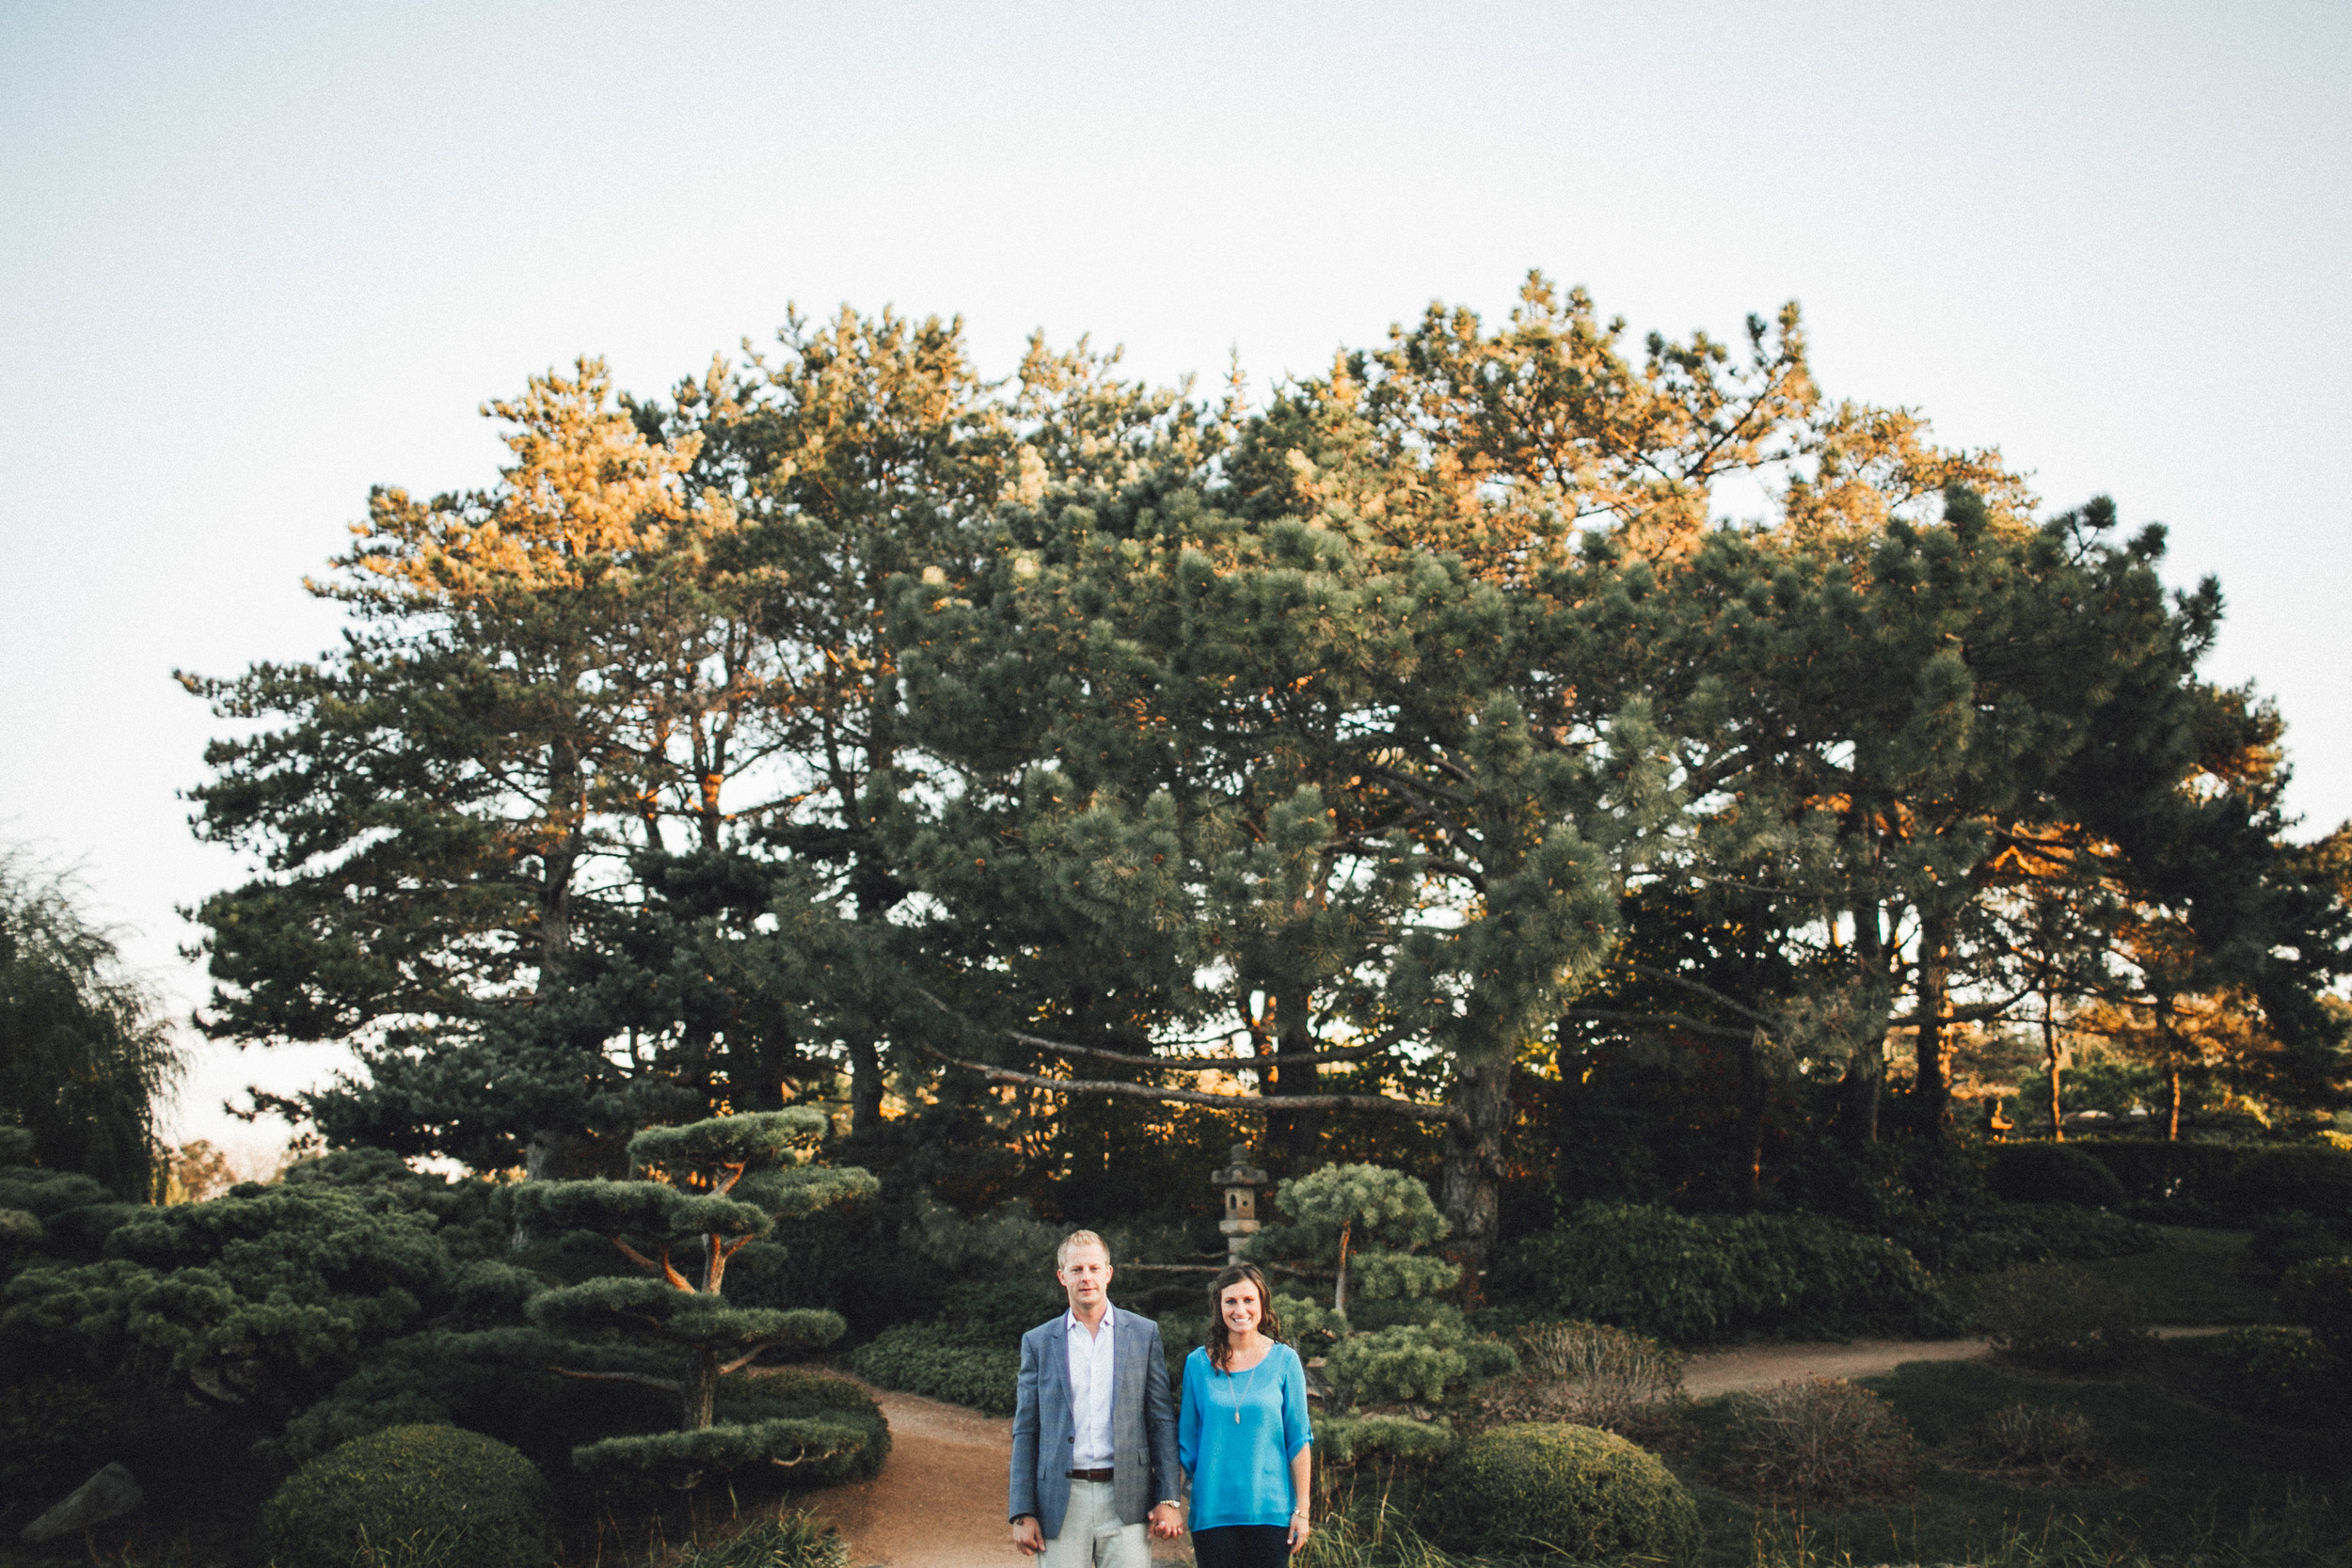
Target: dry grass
[
  {"x": 1820, "y": 1440},
  {"x": 1590, "y": 1374}
]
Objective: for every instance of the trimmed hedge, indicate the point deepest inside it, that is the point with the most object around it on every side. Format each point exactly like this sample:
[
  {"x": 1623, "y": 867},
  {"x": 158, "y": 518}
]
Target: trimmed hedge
[
  {"x": 2315, "y": 1178},
  {"x": 411, "y": 1493},
  {"x": 2157, "y": 1170},
  {"x": 1543, "y": 1488},
  {"x": 942, "y": 1364},
  {"x": 2059, "y": 1315},
  {"x": 2002, "y": 1235},
  {"x": 1695, "y": 1278},
  {"x": 803, "y": 1453},
  {"x": 2053, "y": 1173}
]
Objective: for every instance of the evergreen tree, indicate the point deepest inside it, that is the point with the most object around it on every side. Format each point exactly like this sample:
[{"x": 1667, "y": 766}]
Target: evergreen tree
[{"x": 712, "y": 1189}]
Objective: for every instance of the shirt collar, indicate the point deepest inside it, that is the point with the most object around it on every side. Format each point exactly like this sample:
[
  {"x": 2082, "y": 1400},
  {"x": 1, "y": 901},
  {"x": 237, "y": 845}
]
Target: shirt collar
[{"x": 1071, "y": 1325}]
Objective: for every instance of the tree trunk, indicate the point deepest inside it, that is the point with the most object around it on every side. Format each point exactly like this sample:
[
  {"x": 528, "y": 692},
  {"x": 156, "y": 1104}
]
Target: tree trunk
[
  {"x": 2172, "y": 1122},
  {"x": 1931, "y": 1088},
  {"x": 865, "y": 1085},
  {"x": 1864, "y": 1078},
  {"x": 1472, "y": 1172},
  {"x": 700, "y": 1390},
  {"x": 1289, "y": 1135},
  {"x": 1752, "y": 1115},
  {"x": 2050, "y": 1055}
]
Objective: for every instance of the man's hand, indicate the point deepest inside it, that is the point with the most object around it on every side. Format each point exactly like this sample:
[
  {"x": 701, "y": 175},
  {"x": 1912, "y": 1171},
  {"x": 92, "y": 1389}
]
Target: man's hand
[
  {"x": 1167, "y": 1521},
  {"x": 1026, "y": 1536}
]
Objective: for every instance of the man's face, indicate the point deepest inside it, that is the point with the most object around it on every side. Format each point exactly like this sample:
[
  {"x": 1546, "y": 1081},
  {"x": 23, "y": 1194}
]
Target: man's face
[{"x": 1085, "y": 1275}]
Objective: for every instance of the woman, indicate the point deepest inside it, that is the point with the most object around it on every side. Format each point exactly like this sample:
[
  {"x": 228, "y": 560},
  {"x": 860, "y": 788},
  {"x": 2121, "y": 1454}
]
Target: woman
[{"x": 1243, "y": 1436}]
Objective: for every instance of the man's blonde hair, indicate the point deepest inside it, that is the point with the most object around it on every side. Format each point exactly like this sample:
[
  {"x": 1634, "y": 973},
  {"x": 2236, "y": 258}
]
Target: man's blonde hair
[{"x": 1079, "y": 1239}]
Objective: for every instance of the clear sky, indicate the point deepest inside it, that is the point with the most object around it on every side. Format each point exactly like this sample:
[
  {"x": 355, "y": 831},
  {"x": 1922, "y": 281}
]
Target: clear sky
[{"x": 254, "y": 259}]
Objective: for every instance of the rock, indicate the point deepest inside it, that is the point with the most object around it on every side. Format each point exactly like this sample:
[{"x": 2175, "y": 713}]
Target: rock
[{"x": 109, "y": 1494}]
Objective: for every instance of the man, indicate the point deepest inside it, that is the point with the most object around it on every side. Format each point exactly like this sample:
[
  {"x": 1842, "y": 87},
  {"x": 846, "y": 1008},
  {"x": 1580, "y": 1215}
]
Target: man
[{"x": 1094, "y": 1427}]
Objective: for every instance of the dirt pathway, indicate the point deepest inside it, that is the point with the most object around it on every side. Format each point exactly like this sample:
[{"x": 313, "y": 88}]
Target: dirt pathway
[{"x": 940, "y": 1500}]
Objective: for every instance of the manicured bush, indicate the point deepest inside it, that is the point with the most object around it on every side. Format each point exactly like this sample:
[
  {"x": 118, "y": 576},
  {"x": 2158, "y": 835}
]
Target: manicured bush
[
  {"x": 2059, "y": 1315},
  {"x": 2053, "y": 1173},
  {"x": 2281, "y": 1241},
  {"x": 1696, "y": 1277},
  {"x": 1545, "y": 1489},
  {"x": 942, "y": 1364},
  {"x": 2280, "y": 1372},
  {"x": 792, "y": 1393},
  {"x": 2002, "y": 1235},
  {"x": 789, "y": 1541},
  {"x": 2315, "y": 1179},
  {"x": 1820, "y": 1440},
  {"x": 2159, "y": 1170},
  {"x": 2319, "y": 1295},
  {"x": 411, "y": 1493}
]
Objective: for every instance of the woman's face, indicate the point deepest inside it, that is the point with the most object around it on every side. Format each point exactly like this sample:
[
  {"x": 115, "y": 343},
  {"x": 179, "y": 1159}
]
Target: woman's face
[{"x": 1238, "y": 1304}]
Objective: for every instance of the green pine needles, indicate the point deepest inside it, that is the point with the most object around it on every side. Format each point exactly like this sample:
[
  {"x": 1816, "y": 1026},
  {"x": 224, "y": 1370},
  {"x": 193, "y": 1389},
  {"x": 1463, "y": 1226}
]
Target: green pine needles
[{"x": 710, "y": 1190}]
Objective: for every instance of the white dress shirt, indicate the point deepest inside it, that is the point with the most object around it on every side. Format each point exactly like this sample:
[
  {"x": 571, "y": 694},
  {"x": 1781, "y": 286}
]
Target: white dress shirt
[{"x": 1091, "y": 1378}]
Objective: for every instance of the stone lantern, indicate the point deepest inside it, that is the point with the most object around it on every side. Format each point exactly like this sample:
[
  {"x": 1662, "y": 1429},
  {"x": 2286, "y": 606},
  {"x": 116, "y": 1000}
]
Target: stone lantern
[{"x": 1241, "y": 1180}]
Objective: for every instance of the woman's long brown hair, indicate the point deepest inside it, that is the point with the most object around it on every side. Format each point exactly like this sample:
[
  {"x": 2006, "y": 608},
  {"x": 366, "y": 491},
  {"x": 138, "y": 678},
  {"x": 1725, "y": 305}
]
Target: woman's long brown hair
[{"x": 1220, "y": 1340}]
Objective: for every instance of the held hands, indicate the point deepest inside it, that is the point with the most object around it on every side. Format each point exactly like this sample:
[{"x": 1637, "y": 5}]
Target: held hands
[
  {"x": 1026, "y": 1536},
  {"x": 1300, "y": 1531},
  {"x": 1168, "y": 1522}
]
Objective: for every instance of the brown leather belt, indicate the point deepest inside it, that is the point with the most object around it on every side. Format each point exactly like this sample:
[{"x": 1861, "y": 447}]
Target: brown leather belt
[{"x": 1090, "y": 1475}]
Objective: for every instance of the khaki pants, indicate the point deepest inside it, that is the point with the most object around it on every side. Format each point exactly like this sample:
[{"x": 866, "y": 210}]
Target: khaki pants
[{"x": 1091, "y": 1535}]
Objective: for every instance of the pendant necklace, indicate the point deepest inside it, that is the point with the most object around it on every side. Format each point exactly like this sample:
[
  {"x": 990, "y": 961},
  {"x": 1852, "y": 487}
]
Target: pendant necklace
[{"x": 1244, "y": 1395}]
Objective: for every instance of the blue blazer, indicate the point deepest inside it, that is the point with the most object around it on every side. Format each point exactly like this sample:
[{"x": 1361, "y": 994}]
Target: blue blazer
[{"x": 1143, "y": 1424}]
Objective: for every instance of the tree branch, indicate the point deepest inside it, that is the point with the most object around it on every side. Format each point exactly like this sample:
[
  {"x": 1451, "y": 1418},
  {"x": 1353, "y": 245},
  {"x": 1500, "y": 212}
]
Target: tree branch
[
  {"x": 667, "y": 1385},
  {"x": 1381, "y": 1103},
  {"x": 1292, "y": 1058},
  {"x": 1669, "y": 977},
  {"x": 1721, "y": 1031}
]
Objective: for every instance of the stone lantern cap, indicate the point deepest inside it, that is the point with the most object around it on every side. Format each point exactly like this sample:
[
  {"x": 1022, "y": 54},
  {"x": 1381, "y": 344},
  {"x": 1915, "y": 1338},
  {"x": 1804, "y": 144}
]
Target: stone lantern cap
[{"x": 1241, "y": 1173}]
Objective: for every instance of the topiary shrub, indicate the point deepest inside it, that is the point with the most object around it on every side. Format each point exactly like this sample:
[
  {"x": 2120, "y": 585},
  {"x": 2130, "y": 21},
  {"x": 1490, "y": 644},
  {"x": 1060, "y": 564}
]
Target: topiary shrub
[
  {"x": 2059, "y": 1315},
  {"x": 2280, "y": 1372},
  {"x": 411, "y": 1495},
  {"x": 2319, "y": 1295},
  {"x": 2053, "y": 1173},
  {"x": 2315, "y": 1179},
  {"x": 1820, "y": 1440},
  {"x": 1544, "y": 1489},
  {"x": 941, "y": 1363}
]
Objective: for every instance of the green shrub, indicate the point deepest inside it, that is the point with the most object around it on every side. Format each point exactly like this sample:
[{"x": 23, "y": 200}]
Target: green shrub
[
  {"x": 2053, "y": 1173},
  {"x": 1540, "y": 1488},
  {"x": 942, "y": 1364},
  {"x": 2283, "y": 1240},
  {"x": 54, "y": 1431},
  {"x": 411, "y": 1493},
  {"x": 2280, "y": 1372},
  {"x": 789, "y": 1541},
  {"x": 1981, "y": 1238},
  {"x": 2059, "y": 1316},
  {"x": 2160, "y": 1170},
  {"x": 800, "y": 1452},
  {"x": 1820, "y": 1440},
  {"x": 1344, "y": 1440},
  {"x": 1695, "y": 1278},
  {"x": 2319, "y": 1295},
  {"x": 2316, "y": 1178}
]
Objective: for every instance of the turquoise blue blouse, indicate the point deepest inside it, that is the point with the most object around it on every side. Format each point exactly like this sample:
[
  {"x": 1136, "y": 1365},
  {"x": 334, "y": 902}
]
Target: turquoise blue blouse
[{"x": 1241, "y": 1469}]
